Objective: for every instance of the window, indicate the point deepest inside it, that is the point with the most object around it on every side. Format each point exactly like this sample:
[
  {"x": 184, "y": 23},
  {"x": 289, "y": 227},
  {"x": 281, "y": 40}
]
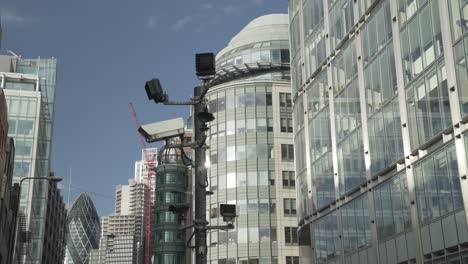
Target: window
[
  {"x": 286, "y": 125},
  {"x": 290, "y": 235},
  {"x": 287, "y": 152},
  {"x": 292, "y": 260},
  {"x": 289, "y": 179},
  {"x": 289, "y": 207},
  {"x": 285, "y": 100}
]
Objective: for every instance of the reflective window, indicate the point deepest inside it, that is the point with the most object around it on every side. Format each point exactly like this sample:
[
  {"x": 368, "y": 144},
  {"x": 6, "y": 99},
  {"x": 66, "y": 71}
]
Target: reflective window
[
  {"x": 317, "y": 94},
  {"x": 421, "y": 40},
  {"x": 322, "y": 173},
  {"x": 290, "y": 235},
  {"x": 341, "y": 19},
  {"x": 377, "y": 32},
  {"x": 319, "y": 134},
  {"x": 461, "y": 55},
  {"x": 287, "y": 152},
  {"x": 289, "y": 206},
  {"x": 458, "y": 17},
  {"x": 351, "y": 168},
  {"x": 391, "y": 201},
  {"x": 437, "y": 184},
  {"x": 385, "y": 126},
  {"x": 327, "y": 243},
  {"x": 289, "y": 179},
  {"x": 355, "y": 221},
  {"x": 428, "y": 106}
]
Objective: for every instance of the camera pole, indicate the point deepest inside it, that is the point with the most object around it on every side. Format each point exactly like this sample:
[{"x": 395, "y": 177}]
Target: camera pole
[{"x": 200, "y": 181}]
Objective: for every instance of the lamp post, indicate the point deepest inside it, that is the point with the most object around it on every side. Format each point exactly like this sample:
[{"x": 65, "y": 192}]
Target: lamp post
[
  {"x": 50, "y": 179},
  {"x": 205, "y": 71}
]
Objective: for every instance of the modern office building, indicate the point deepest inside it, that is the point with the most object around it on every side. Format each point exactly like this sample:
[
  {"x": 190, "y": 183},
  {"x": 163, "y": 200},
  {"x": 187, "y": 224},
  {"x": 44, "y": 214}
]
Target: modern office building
[
  {"x": 251, "y": 148},
  {"x": 123, "y": 233},
  {"x": 3, "y": 139},
  {"x": 380, "y": 91},
  {"x": 141, "y": 172},
  {"x": 9, "y": 204},
  {"x": 83, "y": 230},
  {"x": 55, "y": 228},
  {"x": 29, "y": 86}
]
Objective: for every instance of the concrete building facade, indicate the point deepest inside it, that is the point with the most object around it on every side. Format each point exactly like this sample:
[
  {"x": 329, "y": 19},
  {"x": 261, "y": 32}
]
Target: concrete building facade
[
  {"x": 251, "y": 147},
  {"x": 123, "y": 233},
  {"x": 141, "y": 172},
  {"x": 379, "y": 91}
]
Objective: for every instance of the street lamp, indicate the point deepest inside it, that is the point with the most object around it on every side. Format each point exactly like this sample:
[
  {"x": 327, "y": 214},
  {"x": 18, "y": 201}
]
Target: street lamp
[
  {"x": 205, "y": 71},
  {"x": 50, "y": 179}
]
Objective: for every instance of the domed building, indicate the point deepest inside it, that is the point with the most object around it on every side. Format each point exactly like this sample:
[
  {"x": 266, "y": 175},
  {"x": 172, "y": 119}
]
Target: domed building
[
  {"x": 251, "y": 148},
  {"x": 83, "y": 229}
]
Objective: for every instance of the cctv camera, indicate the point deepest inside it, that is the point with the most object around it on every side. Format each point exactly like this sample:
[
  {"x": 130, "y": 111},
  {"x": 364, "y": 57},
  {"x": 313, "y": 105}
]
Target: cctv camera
[
  {"x": 228, "y": 212},
  {"x": 163, "y": 130},
  {"x": 179, "y": 208}
]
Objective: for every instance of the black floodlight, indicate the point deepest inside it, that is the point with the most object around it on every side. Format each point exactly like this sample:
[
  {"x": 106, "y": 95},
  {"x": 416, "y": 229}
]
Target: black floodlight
[
  {"x": 205, "y": 116},
  {"x": 205, "y": 64},
  {"x": 228, "y": 212},
  {"x": 179, "y": 208},
  {"x": 154, "y": 91}
]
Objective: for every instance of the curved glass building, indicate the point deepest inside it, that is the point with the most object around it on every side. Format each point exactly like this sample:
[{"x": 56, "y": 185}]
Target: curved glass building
[
  {"x": 251, "y": 152},
  {"x": 380, "y": 106},
  {"x": 83, "y": 229}
]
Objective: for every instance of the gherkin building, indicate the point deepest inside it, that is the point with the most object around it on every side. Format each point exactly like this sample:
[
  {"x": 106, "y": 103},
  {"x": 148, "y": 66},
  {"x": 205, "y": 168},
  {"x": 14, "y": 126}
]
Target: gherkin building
[{"x": 83, "y": 229}]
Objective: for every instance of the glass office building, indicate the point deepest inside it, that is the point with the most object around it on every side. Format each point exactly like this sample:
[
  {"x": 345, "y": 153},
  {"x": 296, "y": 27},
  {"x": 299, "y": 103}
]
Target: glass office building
[
  {"x": 83, "y": 230},
  {"x": 251, "y": 152},
  {"x": 380, "y": 94},
  {"x": 29, "y": 86}
]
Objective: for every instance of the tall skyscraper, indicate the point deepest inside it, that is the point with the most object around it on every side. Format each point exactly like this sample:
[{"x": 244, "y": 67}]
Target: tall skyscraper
[
  {"x": 56, "y": 226},
  {"x": 251, "y": 152},
  {"x": 29, "y": 86},
  {"x": 83, "y": 230},
  {"x": 380, "y": 105},
  {"x": 141, "y": 172},
  {"x": 9, "y": 203},
  {"x": 122, "y": 233}
]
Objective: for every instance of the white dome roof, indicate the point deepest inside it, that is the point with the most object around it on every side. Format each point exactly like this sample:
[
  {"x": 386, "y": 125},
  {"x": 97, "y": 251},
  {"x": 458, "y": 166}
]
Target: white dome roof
[{"x": 264, "y": 28}]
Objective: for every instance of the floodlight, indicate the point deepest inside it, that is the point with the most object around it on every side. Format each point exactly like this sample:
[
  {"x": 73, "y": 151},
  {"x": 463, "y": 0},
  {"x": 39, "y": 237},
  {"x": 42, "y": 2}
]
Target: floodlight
[
  {"x": 228, "y": 212},
  {"x": 54, "y": 179},
  {"x": 179, "y": 208},
  {"x": 154, "y": 91},
  {"x": 163, "y": 130},
  {"x": 205, "y": 64},
  {"x": 205, "y": 116}
]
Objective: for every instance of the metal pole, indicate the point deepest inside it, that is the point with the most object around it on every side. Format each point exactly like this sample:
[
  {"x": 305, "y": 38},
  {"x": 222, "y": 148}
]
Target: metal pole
[{"x": 200, "y": 180}]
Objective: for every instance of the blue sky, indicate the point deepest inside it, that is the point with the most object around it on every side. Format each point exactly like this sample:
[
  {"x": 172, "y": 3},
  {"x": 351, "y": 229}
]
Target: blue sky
[{"x": 106, "y": 50}]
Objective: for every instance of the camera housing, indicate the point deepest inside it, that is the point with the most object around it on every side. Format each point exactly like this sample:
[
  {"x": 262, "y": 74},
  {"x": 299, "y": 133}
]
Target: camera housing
[
  {"x": 228, "y": 212},
  {"x": 163, "y": 130}
]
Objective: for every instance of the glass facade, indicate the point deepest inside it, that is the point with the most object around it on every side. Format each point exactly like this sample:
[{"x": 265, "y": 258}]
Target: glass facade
[
  {"x": 169, "y": 240},
  {"x": 379, "y": 94},
  {"x": 251, "y": 150},
  {"x": 30, "y": 93},
  {"x": 83, "y": 229}
]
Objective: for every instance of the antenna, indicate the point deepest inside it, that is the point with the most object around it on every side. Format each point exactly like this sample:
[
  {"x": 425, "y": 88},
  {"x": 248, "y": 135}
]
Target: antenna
[{"x": 14, "y": 54}]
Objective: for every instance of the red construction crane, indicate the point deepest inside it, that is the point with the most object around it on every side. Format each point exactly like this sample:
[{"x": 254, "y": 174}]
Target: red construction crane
[{"x": 150, "y": 166}]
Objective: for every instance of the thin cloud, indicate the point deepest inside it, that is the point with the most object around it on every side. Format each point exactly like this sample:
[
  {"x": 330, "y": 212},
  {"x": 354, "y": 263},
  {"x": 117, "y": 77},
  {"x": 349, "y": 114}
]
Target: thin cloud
[
  {"x": 257, "y": 2},
  {"x": 230, "y": 10},
  {"x": 151, "y": 22},
  {"x": 206, "y": 6},
  {"x": 182, "y": 22},
  {"x": 12, "y": 17}
]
